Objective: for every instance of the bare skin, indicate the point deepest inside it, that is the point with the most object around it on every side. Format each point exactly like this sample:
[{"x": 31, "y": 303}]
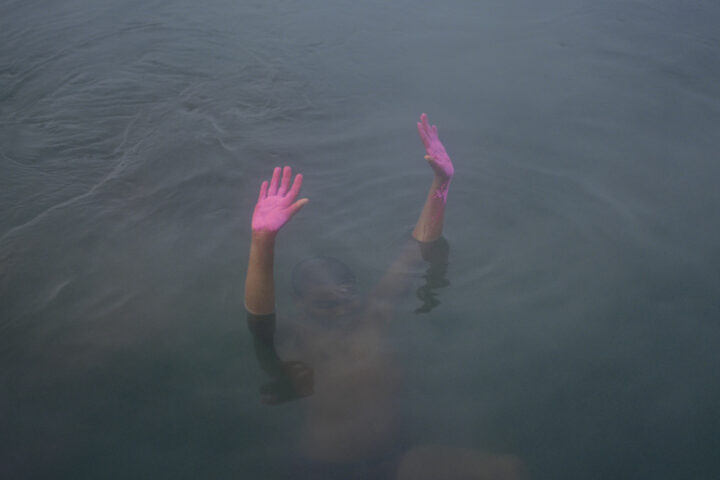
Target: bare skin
[
  {"x": 276, "y": 205},
  {"x": 430, "y": 224}
]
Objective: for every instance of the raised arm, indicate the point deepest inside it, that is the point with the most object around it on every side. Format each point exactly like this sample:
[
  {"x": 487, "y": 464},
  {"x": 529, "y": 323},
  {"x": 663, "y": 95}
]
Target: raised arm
[
  {"x": 430, "y": 224},
  {"x": 276, "y": 205}
]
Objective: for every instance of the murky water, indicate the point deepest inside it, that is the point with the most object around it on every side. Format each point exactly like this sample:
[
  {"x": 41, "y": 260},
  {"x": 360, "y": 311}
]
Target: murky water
[{"x": 579, "y": 333}]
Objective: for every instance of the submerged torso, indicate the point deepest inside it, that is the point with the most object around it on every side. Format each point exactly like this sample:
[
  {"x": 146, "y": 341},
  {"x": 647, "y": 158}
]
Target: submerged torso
[{"x": 351, "y": 414}]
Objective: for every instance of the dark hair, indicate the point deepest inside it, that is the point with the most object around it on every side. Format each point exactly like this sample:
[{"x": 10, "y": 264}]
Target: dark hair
[{"x": 322, "y": 271}]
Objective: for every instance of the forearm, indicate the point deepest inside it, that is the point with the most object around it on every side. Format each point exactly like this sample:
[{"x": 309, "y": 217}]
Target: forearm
[
  {"x": 430, "y": 224},
  {"x": 260, "y": 281},
  {"x": 428, "y": 228}
]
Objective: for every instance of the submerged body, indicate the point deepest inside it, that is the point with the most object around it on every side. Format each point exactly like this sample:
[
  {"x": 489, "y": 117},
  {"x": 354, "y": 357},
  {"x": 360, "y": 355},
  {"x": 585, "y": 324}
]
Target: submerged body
[
  {"x": 346, "y": 375},
  {"x": 351, "y": 410}
]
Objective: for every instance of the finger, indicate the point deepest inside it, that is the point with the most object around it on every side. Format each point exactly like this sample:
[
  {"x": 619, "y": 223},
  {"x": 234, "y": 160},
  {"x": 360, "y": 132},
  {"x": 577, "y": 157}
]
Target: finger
[
  {"x": 274, "y": 182},
  {"x": 423, "y": 135},
  {"x": 434, "y": 129},
  {"x": 286, "y": 176},
  {"x": 423, "y": 122},
  {"x": 426, "y": 125},
  {"x": 263, "y": 190},
  {"x": 295, "y": 207},
  {"x": 295, "y": 187}
]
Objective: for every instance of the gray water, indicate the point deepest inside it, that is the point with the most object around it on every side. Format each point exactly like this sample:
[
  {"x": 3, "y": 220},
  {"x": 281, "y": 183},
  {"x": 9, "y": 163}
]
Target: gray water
[{"x": 579, "y": 332}]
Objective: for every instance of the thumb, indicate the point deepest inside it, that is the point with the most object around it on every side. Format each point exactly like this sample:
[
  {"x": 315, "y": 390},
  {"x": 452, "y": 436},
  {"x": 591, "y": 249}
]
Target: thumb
[{"x": 295, "y": 207}]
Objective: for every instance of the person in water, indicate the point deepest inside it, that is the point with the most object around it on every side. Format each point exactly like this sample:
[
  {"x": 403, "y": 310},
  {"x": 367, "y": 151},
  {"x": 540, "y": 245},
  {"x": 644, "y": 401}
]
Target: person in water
[{"x": 347, "y": 376}]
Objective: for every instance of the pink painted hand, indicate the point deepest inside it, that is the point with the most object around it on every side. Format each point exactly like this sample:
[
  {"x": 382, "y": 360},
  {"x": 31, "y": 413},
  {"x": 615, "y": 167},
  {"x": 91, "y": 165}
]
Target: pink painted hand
[
  {"x": 276, "y": 203},
  {"x": 436, "y": 156}
]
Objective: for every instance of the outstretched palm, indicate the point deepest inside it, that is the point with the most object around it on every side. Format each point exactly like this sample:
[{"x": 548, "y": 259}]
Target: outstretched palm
[
  {"x": 436, "y": 156},
  {"x": 276, "y": 203}
]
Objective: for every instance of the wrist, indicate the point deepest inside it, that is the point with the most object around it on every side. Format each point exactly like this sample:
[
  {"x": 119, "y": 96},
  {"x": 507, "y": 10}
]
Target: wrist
[
  {"x": 264, "y": 236},
  {"x": 441, "y": 181}
]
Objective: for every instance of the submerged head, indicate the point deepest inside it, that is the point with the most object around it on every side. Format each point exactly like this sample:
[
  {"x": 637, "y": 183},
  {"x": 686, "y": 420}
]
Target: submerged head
[{"x": 325, "y": 287}]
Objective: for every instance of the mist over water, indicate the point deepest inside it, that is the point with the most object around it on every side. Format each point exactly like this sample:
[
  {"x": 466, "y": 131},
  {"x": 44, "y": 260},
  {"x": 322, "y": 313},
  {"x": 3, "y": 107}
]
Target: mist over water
[{"x": 580, "y": 329}]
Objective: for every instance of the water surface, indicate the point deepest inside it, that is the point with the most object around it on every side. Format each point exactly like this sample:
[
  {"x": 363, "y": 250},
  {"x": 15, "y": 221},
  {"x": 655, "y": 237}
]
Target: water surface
[{"x": 579, "y": 332}]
